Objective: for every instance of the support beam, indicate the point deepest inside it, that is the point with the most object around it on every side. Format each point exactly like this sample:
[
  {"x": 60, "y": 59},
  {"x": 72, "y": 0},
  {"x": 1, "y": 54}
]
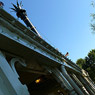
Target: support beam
[
  {"x": 91, "y": 84},
  {"x": 73, "y": 84},
  {"x": 78, "y": 82},
  {"x": 86, "y": 85},
  {"x": 63, "y": 81}
]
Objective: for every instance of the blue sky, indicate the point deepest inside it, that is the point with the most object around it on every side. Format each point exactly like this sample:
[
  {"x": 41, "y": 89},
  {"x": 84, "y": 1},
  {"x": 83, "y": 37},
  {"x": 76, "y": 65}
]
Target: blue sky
[{"x": 65, "y": 24}]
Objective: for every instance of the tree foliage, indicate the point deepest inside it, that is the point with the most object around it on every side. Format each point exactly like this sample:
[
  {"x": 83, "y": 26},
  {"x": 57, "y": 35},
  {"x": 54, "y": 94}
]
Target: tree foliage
[
  {"x": 88, "y": 64},
  {"x": 93, "y": 17}
]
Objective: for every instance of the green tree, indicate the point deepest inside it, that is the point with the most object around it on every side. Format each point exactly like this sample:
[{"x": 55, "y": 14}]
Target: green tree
[
  {"x": 80, "y": 62},
  {"x": 88, "y": 64}
]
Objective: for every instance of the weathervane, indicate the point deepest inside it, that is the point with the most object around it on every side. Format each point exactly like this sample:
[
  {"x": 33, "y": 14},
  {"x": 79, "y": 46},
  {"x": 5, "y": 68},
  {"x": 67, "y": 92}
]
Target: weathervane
[{"x": 21, "y": 13}]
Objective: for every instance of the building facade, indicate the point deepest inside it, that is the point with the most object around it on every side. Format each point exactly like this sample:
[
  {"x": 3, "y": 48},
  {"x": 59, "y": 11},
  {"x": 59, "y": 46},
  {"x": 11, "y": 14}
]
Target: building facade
[{"x": 31, "y": 66}]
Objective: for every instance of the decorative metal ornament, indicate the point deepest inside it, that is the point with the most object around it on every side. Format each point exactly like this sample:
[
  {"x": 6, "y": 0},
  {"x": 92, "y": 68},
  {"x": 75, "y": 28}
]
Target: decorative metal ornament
[{"x": 21, "y": 13}]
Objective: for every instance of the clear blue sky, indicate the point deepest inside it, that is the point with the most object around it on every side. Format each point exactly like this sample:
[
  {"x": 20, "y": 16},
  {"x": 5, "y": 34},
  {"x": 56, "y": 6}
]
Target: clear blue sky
[{"x": 65, "y": 24}]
